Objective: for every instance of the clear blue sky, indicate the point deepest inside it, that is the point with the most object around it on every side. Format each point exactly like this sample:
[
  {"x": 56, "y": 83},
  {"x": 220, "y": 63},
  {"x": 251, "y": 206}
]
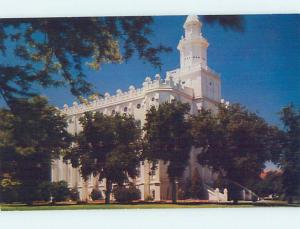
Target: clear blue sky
[{"x": 260, "y": 68}]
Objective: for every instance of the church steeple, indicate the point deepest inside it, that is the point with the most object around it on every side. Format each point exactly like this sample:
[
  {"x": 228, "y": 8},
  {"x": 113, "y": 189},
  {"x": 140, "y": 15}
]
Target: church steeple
[
  {"x": 192, "y": 26},
  {"x": 192, "y": 47}
]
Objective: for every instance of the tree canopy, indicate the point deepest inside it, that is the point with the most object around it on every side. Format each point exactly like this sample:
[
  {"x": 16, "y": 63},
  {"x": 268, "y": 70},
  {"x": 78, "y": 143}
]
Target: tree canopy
[
  {"x": 108, "y": 146},
  {"x": 30, "y": 138},
  {"x": 290, "y": 157},
  {"x": 54, "y": 51},
  {"x": 167, "y": 138},
  {"x": 234, "y": 141}
]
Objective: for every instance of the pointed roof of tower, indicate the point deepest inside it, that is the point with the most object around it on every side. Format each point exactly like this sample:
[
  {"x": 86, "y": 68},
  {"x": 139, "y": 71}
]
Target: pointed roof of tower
[{"x": 191, "y": 19}]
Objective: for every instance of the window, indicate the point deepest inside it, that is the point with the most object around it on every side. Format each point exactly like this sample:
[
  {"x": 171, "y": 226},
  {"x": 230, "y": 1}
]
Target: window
[
  {"x": 153, "y": 193},
  {"x": 153, "y": 168},
  {"x": 152, "y": 173},
  {"x": 125, "y": 109},
  {"x": 113, "y": 112},
  {"x": 138, "y": 106},
  {"x": 152, "y": 99}
]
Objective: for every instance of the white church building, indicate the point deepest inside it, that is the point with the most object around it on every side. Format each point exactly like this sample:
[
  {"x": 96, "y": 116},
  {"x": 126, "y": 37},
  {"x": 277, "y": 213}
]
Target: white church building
[{"x": 194, "y": 83}]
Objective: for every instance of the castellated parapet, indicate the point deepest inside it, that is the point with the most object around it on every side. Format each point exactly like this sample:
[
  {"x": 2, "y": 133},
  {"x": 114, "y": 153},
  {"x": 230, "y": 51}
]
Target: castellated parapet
[{"x": 120, "y": 97}]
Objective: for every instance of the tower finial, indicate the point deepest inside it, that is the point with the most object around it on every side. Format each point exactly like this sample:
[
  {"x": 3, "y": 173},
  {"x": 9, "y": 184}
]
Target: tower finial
[
  {"x": 191, "y": 19},
  {"x": 193, "y": 46}
]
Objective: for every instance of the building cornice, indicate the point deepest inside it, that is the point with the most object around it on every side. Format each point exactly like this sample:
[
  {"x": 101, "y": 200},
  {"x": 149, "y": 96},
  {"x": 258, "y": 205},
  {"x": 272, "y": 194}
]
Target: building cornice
[{"x": 149, "y": 86}]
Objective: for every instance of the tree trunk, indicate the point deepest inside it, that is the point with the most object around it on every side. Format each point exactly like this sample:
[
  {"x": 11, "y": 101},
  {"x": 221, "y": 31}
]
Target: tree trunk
[
  {"x": 290, "y": 200},
  {"x": 234, "y": 193},
  {"x": 174, "y": 190},
  {"x": 108, "y": 191}
]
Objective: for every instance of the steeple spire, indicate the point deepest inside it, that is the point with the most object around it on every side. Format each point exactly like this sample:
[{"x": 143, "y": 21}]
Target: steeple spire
[
  {"x": 191, "y": 19},
  {"x": 193, "y": 46},
  {"x": 192, "y": 27}
]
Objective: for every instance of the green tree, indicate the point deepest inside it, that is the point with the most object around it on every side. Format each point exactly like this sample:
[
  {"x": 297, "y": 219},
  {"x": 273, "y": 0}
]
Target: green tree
[
  {"x": 74, "y": 194},
  {"x": 126, "y": 194},
  {"x": 59, "y": 191},
  {"x": 232, "y": 22},
  {"x": 8, "y": 190},
  {"x": 269, "y": 184},
  {"x": 108, "y": 146},
  {"x": 235, "y": 142},
  {"x": 54, "y": 51},
  {"x": 167, "y": 138},
  {"x": 29, "y": 139},
  {"x": 197, "y": 188},
  {"x": 44, "y": 191},
  {"x": 290, "y": 157},
  {"x": 96, "y": 194}
]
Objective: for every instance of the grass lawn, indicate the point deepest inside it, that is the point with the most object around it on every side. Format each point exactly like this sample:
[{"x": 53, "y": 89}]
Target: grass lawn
[{"x": 22, "y": 207}]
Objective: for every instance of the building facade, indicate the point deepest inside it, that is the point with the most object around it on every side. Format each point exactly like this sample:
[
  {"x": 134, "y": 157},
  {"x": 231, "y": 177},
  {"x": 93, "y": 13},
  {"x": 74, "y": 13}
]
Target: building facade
[{"x": 194, "y": 83}]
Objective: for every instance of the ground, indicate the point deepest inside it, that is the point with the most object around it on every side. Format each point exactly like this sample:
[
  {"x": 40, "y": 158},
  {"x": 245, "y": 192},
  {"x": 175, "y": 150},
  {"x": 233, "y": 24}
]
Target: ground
[{"x": 22, "y": 207}]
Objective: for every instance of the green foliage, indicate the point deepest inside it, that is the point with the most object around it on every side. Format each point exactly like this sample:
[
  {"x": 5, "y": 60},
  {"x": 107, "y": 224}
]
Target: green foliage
[
  {"x": 56, "y": 51},
  {"x": 108, "y": 146},
  {"x": 59, "y": 191},
  {"x": 185, "y": 191},
  {"x": 74, "y": 194},
  {"x": 234, "y": 142},
  {"x": 123, "y": 194},
  {"x": 167, "y": 138},
  {"x": 44, "y": 191},
  {"x": 31, "y": 135},
  {"x": 233, "y": 22},
  {"x": 192, "y": 188},
  {"x": 9, "y": 190},
  {"x": 96, "y": 194},
  {"x": 270, "y": 184},
  {"x": 290, "y": 157}
]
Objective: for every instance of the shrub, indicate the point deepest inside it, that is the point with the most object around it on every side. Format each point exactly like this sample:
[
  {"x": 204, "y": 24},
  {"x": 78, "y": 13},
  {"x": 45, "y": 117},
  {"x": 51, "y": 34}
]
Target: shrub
[
  {"x": 74, "y": 194},
  {"x": 96, "y": 195},
  {"x": 8, "y": 190},
  {"x": 123, "y": 194},
  {"x": 60, "y": 191},
  {"x": 181, "y": 194},
  {"x": 44, "y": 191}
]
